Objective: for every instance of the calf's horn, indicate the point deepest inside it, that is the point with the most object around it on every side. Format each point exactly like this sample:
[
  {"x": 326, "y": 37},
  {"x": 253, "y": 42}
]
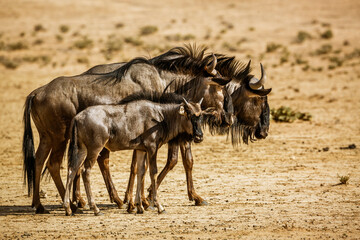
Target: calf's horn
[
  {"x": 201, "y": 100},
  {"x": 186, "y": 102}
]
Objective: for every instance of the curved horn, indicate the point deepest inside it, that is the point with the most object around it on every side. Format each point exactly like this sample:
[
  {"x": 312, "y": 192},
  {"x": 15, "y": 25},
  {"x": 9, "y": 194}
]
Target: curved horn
[
  {"x": 201, "y": 100},
  {"x": 211, "y": 67},
  {"x": 255, "y": 83}
]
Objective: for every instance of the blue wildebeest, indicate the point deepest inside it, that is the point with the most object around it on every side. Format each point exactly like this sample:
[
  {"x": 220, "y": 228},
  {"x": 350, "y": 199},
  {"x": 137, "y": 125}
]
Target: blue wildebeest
[
  {"x": 248, "y": 101},
  {"x": 53, "y": 106},
  {"x": 143, "y": 125}
]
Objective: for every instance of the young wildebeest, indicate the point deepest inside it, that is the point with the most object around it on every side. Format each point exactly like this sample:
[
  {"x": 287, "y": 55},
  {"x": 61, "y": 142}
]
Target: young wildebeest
[
  {"x": 53, "y": 106},
  {"x": 140, "y": 125}
]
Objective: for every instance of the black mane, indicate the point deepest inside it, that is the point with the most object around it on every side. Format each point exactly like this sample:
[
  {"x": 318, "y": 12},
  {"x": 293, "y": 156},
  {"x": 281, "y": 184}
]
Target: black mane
[
  {"x": 154, "y": 97},
  {"x": 229, "y": 67},
  {"x": 188, "y": 59}
]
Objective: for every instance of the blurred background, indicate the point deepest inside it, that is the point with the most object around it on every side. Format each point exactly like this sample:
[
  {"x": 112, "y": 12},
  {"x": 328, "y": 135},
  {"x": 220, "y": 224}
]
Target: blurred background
[{"x": 282, "y": 185}]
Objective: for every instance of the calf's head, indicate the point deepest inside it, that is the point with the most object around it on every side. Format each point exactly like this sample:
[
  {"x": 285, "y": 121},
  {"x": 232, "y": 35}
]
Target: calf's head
[
  {"x": 192, "y": 119},
  {"x": 215, "y": 96}
]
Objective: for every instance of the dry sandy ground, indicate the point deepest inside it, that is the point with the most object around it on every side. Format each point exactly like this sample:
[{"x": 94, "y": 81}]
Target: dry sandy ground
[{"x": 284, "y": 187}]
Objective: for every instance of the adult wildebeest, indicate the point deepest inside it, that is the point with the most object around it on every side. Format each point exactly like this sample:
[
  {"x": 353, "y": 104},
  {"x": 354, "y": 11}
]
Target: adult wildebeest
[
  {"x": 250, "y": 106},
  {"x": 143, "y": 125},
  {"x": 53, "y": 106}
]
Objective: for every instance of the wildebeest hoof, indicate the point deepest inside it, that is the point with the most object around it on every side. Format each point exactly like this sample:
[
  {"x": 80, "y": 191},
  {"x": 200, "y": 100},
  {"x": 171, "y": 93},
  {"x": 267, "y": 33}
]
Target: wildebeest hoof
[
  {"x": 73, "y": 207},
  {"x": 41, "y": 210},
  {"x": 140, "y": 211},
  {"x": 79, "y": 211},
  {"x": 202, "y": 203},
  {"x": 130, "y": 208},
  {"x": 145, "y": 204},
  {"x": 162, "y": 212},
  {"x": 81, "y": 203},
  {"x": 98, "y": 214},
  {"x": 150, "y": 208}
]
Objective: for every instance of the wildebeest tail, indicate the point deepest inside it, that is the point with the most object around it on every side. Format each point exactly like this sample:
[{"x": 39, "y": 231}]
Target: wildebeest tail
[
  {"x": 73, "y": 146},
  {"x": 28, "y": 147}
]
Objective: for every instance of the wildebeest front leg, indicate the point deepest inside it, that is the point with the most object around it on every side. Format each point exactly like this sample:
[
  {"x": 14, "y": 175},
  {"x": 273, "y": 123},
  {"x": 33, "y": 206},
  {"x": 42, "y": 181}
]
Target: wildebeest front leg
[
  {"x": 153, "y": 177},
  {"x": 129, "y": 191},
  {"x": 140, "y": 163},
  {"x": 173, "y": 153},
  {"x": 103, "y": 161},
  {"x": 188, "y": 162}
]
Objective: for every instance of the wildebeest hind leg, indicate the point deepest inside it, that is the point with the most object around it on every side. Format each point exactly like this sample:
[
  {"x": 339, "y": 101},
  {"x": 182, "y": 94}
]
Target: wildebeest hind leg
[
  {"x": 88, "y": 164},
  {"x": 54, "y": 164},
  {"x": 103, "y": 161},
  {"x": 40, "y": 157},
  {"x": 77, "y": 198}
]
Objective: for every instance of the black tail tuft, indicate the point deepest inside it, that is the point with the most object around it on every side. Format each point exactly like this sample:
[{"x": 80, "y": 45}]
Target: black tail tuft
[
  {"x": 28, "y": 147},
  {"x": 73, "y": 147}
]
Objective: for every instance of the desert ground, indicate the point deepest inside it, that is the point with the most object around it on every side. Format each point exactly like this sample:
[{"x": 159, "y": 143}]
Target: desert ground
[{"x": 284, "y": 187}]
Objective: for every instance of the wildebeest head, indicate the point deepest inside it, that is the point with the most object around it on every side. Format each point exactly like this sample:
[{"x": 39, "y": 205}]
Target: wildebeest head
[
  {"x": 210, "y": 86},
  {"x": 251, "y": 108},
  {"x": 192, "y": 113}
]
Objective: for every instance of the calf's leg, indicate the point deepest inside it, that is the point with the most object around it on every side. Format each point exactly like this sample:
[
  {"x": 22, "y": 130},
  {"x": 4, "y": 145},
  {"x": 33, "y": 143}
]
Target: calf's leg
[{"x": 188, "y": 162}]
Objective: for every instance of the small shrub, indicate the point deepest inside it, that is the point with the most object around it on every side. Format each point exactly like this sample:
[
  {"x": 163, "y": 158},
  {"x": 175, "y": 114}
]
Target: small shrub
[
  {"x": 178, "y": 37},
  {"x": 324, "y": 49},
  {"x": 22, "y": 34},
  {"x": 119, "y": 25},
  {"x": 147, "y": 30},
  {"x": 306, "y": 67},
  {"x": 302, "y": 36},
  {"x": 327, "y": 34},
  {"x": 113, "y": 44},
  {"x": 251, "y": 29},
  {"x": 9, "y": 63},
  {"x": 64, "y": 28},
  {"x": 38, "y": 42},
  {"x": 344, "y": 179},
  {"x": 354, "y": 54},
  {"x": 133, "y": 41},
  {"x": 16, "y": 46},
  {"x": 338, "y": 62},
  {"x": 284, "y": 56},
  {"x": 188, "y": 37},
  {"x": 83, "y": 60},
  {"x": 299, "y": 59},
  {"x": 229, "y": 47},
  {"x": 272, "y": 47},
  {"x": 83, "y": 43},
  {"x": 59, "y": 38},
  {"x": 286, "y": 114},
  {"x": 39, "y": 28}
]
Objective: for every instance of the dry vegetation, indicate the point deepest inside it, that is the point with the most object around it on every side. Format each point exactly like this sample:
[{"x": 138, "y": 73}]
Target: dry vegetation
[{"x": 284, "y": 187}]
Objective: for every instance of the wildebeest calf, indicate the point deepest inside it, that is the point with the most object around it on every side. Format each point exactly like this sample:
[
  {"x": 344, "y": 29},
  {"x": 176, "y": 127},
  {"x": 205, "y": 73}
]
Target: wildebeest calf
[{"x": 141, "y": 125}]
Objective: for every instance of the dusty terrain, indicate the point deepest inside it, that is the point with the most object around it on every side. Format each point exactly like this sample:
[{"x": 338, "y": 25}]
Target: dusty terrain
[{"x": 284, "y": 187}]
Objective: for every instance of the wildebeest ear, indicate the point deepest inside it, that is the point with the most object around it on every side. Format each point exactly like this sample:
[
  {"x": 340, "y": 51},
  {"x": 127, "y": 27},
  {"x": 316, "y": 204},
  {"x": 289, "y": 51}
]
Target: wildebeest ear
[{"x": 182, "y": 110}]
